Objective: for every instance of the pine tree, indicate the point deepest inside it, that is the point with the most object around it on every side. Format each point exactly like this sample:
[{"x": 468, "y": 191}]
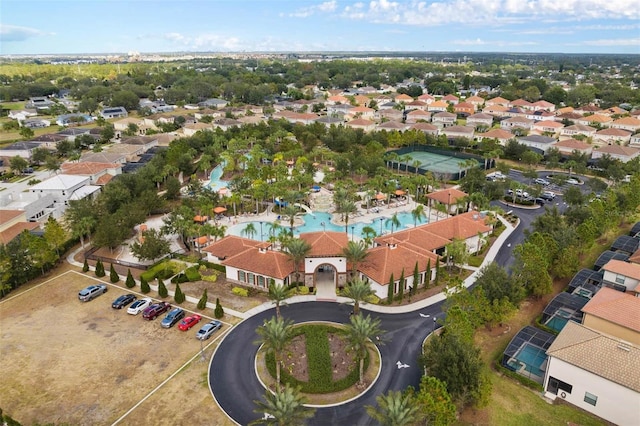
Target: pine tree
[
  {"x": 113, "y": 275},
  {"x": 179, "y": 295},
  {"x": 85, "y": 267},
  {"x": 401, "y": 286},
  {"x": 162, "y": 289},
  {"x": 218, "y": 312},
  {"x": 144, "y": 285},
  {"x": 416, "y": 279},
  {"x": 202, "y": 303},
  {"x": 130, "y": 282},
  {"x": 99, "y": 269},
  {"x": 427, "y": 275},
  {"x": 390, "y": 290},
  {"x": 437, "y": 278}
]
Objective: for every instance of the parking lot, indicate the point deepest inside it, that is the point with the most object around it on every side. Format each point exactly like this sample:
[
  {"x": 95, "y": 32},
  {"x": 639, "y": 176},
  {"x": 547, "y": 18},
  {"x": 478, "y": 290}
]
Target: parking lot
[{"x": 65, "y": 361}]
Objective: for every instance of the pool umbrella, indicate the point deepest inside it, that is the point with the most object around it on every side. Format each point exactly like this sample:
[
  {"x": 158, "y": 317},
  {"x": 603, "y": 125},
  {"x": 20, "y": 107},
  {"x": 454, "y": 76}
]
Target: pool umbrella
[
  {"x": 219, "y": 209},
  {"x": 400, "y": 192},
  {"x": 380, "y": 196}
]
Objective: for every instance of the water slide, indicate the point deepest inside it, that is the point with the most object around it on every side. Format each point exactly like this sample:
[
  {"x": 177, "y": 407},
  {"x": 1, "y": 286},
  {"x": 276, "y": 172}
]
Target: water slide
[{"x": 305, "y": 208}]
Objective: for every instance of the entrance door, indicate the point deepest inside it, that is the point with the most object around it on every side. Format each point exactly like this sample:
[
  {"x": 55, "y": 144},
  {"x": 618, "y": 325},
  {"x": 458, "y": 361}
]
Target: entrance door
[{"x": 325, "y": 282}]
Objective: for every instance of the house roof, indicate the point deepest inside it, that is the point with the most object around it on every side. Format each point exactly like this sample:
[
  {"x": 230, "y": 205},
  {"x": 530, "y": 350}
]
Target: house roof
[
  {"x": 549, "y": 123},
  {"x": 8, "y": 215},
  {"x": 520, "y": 103},
  {"x": 14, "y": 230},
  {"x": 424, "y": 127},
  {"x": 384, "y": 260},
  {"x": 627, "y": 269},
  {"x": 599, "y": 354},
  {"x": 628, "y": 121},
  {"x": 580, "y": 128},
  {"x": 325, "y": 244},
  {"x": 619, "y": 150},
  {"x": 87, "y": 167},
  {"x": 480, "y": 116},
  {"x": 497, "y": 101},
  {"x": 616, "y": 307},
  {"x": 444, "y": 114},
  {"x": 614, "y": 132},
  {"x": 468, "y": 130},
  {"x": 439, "y": 104},
  {"x": 635, "y": 257},
  {"x": 392, "y": 125},
  {"x": 475, "y": 100},
  {"x": 572, "y": 144},
  {"x": 597, "y": 118},
  {"x": 447, "y": 196},
  {"x": 360, "y": 122},
  {"x": 497, "y": 134},
  {"x": 59, "y": 183},
  {"x": 403, "y": 97}
]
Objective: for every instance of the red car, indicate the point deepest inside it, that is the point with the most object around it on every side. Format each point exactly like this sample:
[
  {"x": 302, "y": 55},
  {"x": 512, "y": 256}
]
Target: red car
[
  {"x": 189, "y": 322},
  {"x": 153, "y": 311}
]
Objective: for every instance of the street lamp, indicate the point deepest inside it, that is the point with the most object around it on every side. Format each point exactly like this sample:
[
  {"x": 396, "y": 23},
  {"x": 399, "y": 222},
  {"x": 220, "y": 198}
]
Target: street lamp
[
  {"x": 434, "y": 324},
  {"x": 381, "y": 219},
  {"x": 352, "y": 228},
  {"x": 260, "y": 231}
]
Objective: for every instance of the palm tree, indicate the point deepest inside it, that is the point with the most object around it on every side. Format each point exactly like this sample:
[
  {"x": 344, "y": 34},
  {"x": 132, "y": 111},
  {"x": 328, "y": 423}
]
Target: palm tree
[
  {"x": 394, "y": 409},
  {"x": 297, "y": 251},
  {"x": 275, "y": 335},
  {"x": 346, "y": 207},
  {"x": 249, "y": 231},
  {"x": 368, "y": 233},
  {"x": 283, "y": 408},
  {"x": 355, "y": 253},
  {"x": 290, "y": 211},
  {"x": 278, "y": 293},
  {"x": 358, "y": 291},
  {"x": 359, "y": 334},
  {"x": 393, "y": 221},
  {"x": 418, "y": 213}
]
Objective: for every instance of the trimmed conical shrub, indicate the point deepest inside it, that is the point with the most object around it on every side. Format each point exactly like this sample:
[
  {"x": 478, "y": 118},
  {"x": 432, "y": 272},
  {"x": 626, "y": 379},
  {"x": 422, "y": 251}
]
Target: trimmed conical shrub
[
  {"x": 162, "y": 289},
  {"x": 144, "y": 286},
  {"x": 85, "y": 267},
  {"x": 130, "y": 282},
  {"x": 202, "y": 303},
  {"x": 113, "y": 275},
  {"x": 218, "y": 312},
  {"x": 99, "y": 269},
  {"x": 179, "y": 295}
]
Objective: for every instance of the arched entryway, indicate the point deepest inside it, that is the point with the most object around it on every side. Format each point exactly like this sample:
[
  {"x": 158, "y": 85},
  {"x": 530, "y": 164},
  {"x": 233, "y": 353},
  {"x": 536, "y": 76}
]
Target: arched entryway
[{"x": 325, "y": 279}]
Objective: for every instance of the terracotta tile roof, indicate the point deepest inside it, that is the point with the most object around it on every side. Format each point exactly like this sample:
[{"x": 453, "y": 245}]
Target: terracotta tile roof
[
  {"x": 403, "y": 97},
  {"x": 549, "y": 123},
  {"x": 580, "y": 128},
  {"x": 616, "y": 307},
  {"x": 569, "y": 116},
  {"x": 436, "y": 104},
  {"x": 480, "y": 116},
  {"x": 8, "y": 215},
  {"x": 599, "y": 354},
  {"x": 325, "y": 244},
  {"x": 619, "y": 150},
  {"x": 230, "y": 245},
  {"x": 614, "y": 132},
  {"x": 572, "y": 144},
  {"x": 416, "y": 104},
  {"x": 450, "y": 97},
  {"x": 424, "y": 127},
  {"x": 496, "y": 134},
  {"x": 87, "y": 167},
  {"x": 628, "y": 121},
  {"x": 420, "y": 239},
  {"x": 425, "y": 97},
  {"x": 384, "y": 260},
  {"x": 627, "y": 269},
  {"x": 419, "y": 112},
  {"x": 497, "y": 101},
  {"x": 520, "y": 102},
  {"x": 358, "y": 109},
  {"x": 635, "y": 257},
  {"x": 465, "y": 105},
  {"x": 360, "y": 122},
  {"x": 544, "y": 104},
  {"x": 14, "y": 230},
  {"x": 461, "y": 226},
  {"x": 564, "y": 110},
  {"x": 475, "y": 100},
  {"x": 597, "y": 118},
  {"x": 104, "y": 179},
  {"x": 446, "y": 196}
]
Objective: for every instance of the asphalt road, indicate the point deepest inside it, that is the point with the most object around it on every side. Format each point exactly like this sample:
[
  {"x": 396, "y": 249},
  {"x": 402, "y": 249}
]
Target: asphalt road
[
  {"x": 232, "y": 372},
  {"x": 235, "y": 386}
]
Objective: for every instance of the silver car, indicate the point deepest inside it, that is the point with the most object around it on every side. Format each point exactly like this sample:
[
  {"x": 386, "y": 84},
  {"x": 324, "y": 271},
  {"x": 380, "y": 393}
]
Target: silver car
[
  {"x": 91, "y": 292},
  {"x": 208, "y": 329}
]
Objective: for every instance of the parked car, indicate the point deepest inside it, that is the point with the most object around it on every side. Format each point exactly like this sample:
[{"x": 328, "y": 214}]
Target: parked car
[
  {"x": 123, "y": 301},
  {"x": 548, "y": 195},
  {"x": 139, "y": 306},
  {"x": 541, "y": 181},
  {"x": 208, "y": 329},
  {"x": 189, "y": 322},
  {"x": 522, "y": 193},
  {"x": 91, "y": 292},
  {"x": 540, "y": 201},
  {"x": 175, "y": 315},
  {"x": 573, "y": 181},
  {"x": 155, "y": 310}
]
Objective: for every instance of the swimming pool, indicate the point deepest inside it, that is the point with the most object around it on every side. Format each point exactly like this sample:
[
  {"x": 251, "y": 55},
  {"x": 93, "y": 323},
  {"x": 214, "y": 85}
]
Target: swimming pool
[
  {"x": 532, "y": 357},
  {"x": 215, "y": 183},
  {"x": 322, "y": 221}
]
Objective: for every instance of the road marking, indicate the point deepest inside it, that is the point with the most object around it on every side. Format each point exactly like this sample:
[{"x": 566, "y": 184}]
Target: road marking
[
  {"x": 424, "y": 316},
  {"x": 401, "y": 365}
]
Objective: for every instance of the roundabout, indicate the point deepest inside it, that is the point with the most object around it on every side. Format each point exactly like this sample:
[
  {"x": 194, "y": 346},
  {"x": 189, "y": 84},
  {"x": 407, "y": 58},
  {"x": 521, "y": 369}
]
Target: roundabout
[{"x": 235, "y": 385}]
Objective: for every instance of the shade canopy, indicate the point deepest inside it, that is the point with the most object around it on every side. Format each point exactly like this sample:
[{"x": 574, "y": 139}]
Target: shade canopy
[
  {"x": 380, "y": 196},
  {"x": 400, "y": 192},
  {"x": 219, "y": 209}
]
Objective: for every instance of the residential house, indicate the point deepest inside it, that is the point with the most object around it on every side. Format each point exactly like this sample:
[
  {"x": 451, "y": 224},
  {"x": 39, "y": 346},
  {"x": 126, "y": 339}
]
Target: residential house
[
  {"x": 330, "y": 121},
  {"x": 622, "y": 276},
  {"x": 403, "y": 98},
  {"x": 497, "y": 101},
  {"x": 13, "y": 223},
  {"x": 538, "y": 143},
  {"x": 451, "y": 99},
  {"x": 418, "y": 115},
  {"x": 612, "y": 136},
  {"x": 514, "y": 123},
  {"x": 568, "y": 146},
  {"x": 113, "y": 112},
  {"x": 339, "y": 110},
  {"x": 98, "y": 173},
  {"x": 595, "y": 120},
  {"x": 480, "y": 119},
  {"x": 615, "y": 110},
  {"x": 22, "y": 114},
  {"x": 522, "y": 105},
  {"x": 20, "y": 149},
  {"x": 631, "y": 124},
  {"x": 426, "y": 128},
  {"x": 622, "y": 153},
  {"x": 252, "y": 119},
  {"x": 226, "y": 123},
  {"x": 71, "y": 133},
  {"x": 464, "y": 109},
  {"x": 578, "y": 129},
  {"x": 50, "y": 140},
  {"x": 444, "y": 119},
  {"x": 64, "y": 188},
  {"x": 73, "y": 119},
  {"x": 500, "y": 135},
  {"x": 416, "y": 105},
  {"x": 453, "y": 132},
  {"x": 476, "y": 101},
  {"x": 337, "y": 99},
  {"x": 103, "y": 157},
  {"x": 362, "y": 112},
  {"x": 543, "y": 105},
  {"x": 361, "y": 123},
  {"x": 39, "y": 102},
  {"x": 36, "y": 207},
  {"x": 393, "y": 126},
  {"x": 438, "y": 106},
  {"x": 426, "y": 98},
  {"x": 192, "y": 129},
  {"x": 586, "y": 109},
  {"x": 122, "y": 125},
  {"x": 213, "y": 103},
  {"x": 540, "y": 115},
  {"x": 35, "y": 123},
  {"x": 362, "y": 100},
  {"x": 634, "y": 141},
  {"x": 546, "y": 126},
  {"x": 392, "y": 114},
  {"x": 496, "y": 110}
]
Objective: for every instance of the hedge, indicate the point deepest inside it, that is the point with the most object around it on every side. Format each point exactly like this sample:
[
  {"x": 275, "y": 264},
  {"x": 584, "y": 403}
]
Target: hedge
[
  {"x": 180, "y": 278},
  {"x": 192, "y": 274},
  {"x": 163, "y": 270},
  {"x": 238, "y": 291}
]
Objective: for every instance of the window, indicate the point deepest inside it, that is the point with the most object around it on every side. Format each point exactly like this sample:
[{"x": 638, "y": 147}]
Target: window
[
  {"x": 260, "y": 280},
  {"x": 241, "y": 276},
  {"x": 554, "y": 386},
  {"x": 250, "y": 278},
  {"x": 620, "y": 279},
  {"x": 590, "y": 398}
]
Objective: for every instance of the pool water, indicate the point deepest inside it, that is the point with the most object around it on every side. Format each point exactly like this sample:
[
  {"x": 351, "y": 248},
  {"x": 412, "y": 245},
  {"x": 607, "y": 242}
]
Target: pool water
[
  {"x": 320, "y": 221},
  {"x": 533, "y": 357},
  {"x": 215, "y": 183}
]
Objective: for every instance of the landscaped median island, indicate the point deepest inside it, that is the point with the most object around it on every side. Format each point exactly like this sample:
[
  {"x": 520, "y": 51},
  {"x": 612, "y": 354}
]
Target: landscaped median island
[{"x": 319, "y": 360}]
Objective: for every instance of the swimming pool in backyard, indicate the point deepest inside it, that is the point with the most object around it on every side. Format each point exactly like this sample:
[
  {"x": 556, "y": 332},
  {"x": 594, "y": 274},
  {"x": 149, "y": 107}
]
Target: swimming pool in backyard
[{"x": 321, "y": 221}]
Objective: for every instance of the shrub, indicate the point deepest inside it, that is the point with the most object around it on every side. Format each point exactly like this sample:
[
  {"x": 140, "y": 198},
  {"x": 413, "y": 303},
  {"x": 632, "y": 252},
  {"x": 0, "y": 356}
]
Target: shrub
[
  {"x": 144, "y": 286},
  {"x": 202, "y": 303},
  {"x": 113, "y": 275},
  {"x": 130, "y": 282},
  {"x": 99, "y": 269},
  {"x": 303, "y": 289},
  {"x": 192, "y": 274},
  {"x": 180, "y": 278},
  {"x": 165, "y": 269},
  {"x": 210, "y": 278},
  {"x": 239, "y": 291},
  {"x": 220, "y": 268},
  {"x": 85, "y": 266},
  {"x": 218, "y": 312},
  {"x": 162, "y": 289},
  {"x": 179, "y": 295}
]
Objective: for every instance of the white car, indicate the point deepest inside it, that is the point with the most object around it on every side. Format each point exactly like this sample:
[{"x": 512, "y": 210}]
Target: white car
[
  {"x": 573, "y": 181},
  {"x": 139, "y": 306}
]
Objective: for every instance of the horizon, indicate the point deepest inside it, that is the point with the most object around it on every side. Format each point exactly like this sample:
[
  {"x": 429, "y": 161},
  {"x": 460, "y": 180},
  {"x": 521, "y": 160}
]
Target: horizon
[{"x": 41, "y": 27}]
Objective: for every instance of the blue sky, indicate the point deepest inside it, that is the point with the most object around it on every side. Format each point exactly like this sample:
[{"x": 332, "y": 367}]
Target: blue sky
[{"x": 117, "y": 26}]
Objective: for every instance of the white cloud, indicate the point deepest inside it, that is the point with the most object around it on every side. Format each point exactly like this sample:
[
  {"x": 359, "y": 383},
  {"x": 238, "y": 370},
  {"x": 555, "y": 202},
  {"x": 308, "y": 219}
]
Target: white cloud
[
  {"x": 17, "y": 33},
  {"x": 206, "y": 41},
  {"x": 489, "y": 12},
  {"x": 476, "y": 42},
  {"x": 614, "y": 42},
  {"x": 305, "y": 12},
  {"x": 499, "y": 43}
]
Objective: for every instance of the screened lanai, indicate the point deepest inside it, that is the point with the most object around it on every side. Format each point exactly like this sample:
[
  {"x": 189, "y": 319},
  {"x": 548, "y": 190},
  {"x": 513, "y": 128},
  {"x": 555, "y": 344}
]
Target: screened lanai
[
  {"x": 526, "y": 353},
  {"x": 625, "y": 244},
  {"x": 563, "y": 308},
  {"x": 606, "y": 256},
  {"x": 586, "y": 282}
]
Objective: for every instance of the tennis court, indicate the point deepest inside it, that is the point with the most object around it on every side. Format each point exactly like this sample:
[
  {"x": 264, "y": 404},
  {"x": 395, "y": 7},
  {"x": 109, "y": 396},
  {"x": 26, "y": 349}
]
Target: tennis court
[{"x": 437, "y": 163}]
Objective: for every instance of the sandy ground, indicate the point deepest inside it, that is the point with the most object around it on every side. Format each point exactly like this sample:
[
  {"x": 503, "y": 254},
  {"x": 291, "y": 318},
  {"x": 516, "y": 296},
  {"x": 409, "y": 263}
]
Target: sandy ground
[{"x": 87, "y": 364}]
